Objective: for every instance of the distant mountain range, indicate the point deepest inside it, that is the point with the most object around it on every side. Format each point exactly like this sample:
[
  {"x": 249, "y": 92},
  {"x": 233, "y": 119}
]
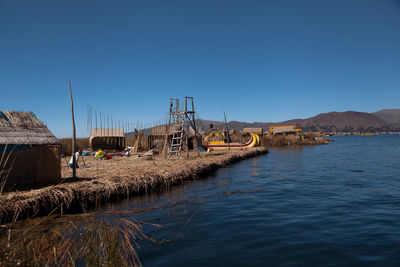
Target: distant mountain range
[
  {"x": 387, "y": 120},
  {"x": 389, "y": 115}
]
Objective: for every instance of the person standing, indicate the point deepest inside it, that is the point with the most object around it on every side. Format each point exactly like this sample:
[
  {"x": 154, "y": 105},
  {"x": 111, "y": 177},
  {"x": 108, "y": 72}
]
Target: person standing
[{"x": 77, "y": 155}]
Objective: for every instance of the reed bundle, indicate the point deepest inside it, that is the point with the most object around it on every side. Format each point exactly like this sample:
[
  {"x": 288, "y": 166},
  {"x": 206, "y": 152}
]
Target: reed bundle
[
  {"x": 90, "y": 240},
  {"x": 278, "y": 141}
]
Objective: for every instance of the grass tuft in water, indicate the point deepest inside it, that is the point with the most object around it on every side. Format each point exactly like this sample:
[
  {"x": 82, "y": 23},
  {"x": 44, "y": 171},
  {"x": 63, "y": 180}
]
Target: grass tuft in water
[{"x": 93, "y": 241}]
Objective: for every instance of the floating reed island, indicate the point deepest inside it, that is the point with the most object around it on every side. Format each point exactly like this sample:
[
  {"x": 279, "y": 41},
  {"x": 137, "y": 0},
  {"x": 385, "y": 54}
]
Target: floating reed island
[{"x": 107, "y": 180}]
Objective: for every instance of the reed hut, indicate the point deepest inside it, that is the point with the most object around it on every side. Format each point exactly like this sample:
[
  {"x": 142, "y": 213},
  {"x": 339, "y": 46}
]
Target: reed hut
[
  {"x": 258, "y": 131},
  {"x": 30, "y": 153},
  {"x": 156, "y": 137},
  {"x": 107, "y": 139},
  {"x": 285, "y": 130}
]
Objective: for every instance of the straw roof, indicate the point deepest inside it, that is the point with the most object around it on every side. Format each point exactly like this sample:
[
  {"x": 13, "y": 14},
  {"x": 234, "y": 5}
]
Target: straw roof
[
  {"x": 253, "y": 130},
  {"x": 24, "y": 128},
  {"x": 160, "y": 130},
  {"x": 98, "y": 132}
]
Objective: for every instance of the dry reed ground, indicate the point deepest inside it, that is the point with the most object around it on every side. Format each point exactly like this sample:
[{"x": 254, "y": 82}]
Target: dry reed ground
[{"x": 106, "y": 180}]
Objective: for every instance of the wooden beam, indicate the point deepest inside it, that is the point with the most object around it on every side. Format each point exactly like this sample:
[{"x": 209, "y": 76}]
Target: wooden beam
[
  {"x": 73, "y": 133},
  {"x": 227, "y": 132}
]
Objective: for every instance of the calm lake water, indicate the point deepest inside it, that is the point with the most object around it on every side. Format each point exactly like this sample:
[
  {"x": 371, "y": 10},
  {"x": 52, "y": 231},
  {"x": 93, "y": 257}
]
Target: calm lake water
[{"x": 336, "y": 204}]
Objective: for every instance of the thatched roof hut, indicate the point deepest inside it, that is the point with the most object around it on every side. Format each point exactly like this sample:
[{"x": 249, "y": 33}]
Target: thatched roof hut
[
  {"x": 107, "y": 139},
  {"x": 34, "y": 152},
  {"x": 283, "y": 130},
  {"x": 253, "y": 130},
  {"x": 156, "y": 137},
  {"x": 161, "y": 130}
]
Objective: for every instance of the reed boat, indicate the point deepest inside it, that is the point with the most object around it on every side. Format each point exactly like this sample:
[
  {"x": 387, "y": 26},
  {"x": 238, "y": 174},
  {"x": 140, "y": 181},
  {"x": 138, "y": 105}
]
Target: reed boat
[
  {"x": 252, "y": 142},
  {"x": 365, "y": 134}
]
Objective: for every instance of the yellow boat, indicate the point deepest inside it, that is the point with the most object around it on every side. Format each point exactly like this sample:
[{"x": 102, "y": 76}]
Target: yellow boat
[
  {"x": 364, "y": 134},
  {"x": 220, "y": 144}
]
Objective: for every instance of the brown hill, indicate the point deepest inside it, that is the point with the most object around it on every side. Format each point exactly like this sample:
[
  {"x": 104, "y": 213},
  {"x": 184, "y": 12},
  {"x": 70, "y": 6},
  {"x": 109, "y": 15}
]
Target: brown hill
[
  {"x": 349, "y": 121},
  {"x": 389, "y": 115}
]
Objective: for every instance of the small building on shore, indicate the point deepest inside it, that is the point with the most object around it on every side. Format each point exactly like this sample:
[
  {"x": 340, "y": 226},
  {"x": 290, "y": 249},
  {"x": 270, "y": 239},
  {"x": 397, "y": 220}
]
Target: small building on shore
[
  {"x": 258, "y": 131},
  {"x": 285, "y": 130},
  {"x": 107, "y": 139},
  {"x": 29, "y": 153},
  {"x": 156, "y": 137}
]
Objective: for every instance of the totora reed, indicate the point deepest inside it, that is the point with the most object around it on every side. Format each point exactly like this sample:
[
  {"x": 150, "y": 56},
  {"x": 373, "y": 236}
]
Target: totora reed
[{"x": 106, "y": 180}]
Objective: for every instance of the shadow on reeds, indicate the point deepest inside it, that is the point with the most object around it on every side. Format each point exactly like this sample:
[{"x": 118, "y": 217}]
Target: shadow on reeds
[
  {"x": 5, "y": 168},
  {"x": 213, "y": 154},
  {"x": 73, "y": 180}
]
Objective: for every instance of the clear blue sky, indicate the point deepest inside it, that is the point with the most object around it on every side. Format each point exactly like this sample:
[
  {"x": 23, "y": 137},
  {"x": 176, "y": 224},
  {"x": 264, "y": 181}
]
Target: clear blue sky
[{"x": 257, "y": 60}]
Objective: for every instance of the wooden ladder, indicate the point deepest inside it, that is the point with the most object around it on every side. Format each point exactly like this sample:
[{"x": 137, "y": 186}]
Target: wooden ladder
[{"x": 177, "y": 139}]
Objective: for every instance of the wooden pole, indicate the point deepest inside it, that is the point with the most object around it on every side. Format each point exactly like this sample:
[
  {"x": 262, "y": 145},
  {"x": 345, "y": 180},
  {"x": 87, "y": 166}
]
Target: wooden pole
[
  {"x": 167, "y": 129},
  {"x": 73, "y": 133},
  {"x": 119, "y": 139},
  {"x": 227, "y": 132},
  {"x": 187, "y": 145},
  {"x": 166, "y": 140},
  {"x": 83, "y": 160},
  {"x": 241, "y": 134}
]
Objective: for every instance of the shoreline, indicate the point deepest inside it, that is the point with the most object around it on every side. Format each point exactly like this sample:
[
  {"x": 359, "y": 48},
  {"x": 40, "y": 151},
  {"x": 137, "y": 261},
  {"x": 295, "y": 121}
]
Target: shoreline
[
  {"x": 98, "y": 184},
  {"x": 282, "y": 141}
]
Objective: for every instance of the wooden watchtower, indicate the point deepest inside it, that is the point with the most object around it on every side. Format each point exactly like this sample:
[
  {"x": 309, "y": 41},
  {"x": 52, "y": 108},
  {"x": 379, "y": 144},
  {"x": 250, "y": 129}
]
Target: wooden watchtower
[{"x": 183, "y": 122}]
